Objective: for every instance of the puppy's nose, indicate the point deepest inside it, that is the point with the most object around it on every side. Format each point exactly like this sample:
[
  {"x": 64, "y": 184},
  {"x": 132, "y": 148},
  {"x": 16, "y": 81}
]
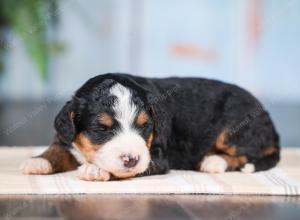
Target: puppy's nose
[{"x": 129, "y": 160}]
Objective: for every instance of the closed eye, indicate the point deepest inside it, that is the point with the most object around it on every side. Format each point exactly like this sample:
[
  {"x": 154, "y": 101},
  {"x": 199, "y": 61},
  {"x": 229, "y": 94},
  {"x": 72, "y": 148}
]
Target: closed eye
[
  {"x": 103, "y": 128},
  {"x": 99, "y": 128},
  {"x": 144, "y": 125}
]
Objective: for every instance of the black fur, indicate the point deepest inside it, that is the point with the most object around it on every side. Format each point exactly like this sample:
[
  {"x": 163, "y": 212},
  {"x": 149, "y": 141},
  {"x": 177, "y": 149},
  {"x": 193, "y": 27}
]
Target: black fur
[
  {"x": 64, "y": 124},
  {"x": 187, "y": 115}
]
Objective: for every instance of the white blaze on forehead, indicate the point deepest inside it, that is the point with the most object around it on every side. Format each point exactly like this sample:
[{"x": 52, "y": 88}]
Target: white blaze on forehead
[
  {"x": 127, "y": 141},
  {"x": 124, "y": 108}
]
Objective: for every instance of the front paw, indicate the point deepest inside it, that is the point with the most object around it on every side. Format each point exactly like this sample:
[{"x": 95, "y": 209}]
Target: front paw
[
  {"x": 91, "y": 172},
  {"x": 36, "y": 166}
]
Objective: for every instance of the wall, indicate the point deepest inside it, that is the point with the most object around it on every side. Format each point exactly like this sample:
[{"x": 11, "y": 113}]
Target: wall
[{"x": 252, "y": 43}]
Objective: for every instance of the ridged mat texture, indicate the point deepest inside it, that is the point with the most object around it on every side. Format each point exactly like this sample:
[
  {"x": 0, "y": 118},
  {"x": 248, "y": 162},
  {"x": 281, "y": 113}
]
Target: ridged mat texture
[{"x": 282, "y": 180}]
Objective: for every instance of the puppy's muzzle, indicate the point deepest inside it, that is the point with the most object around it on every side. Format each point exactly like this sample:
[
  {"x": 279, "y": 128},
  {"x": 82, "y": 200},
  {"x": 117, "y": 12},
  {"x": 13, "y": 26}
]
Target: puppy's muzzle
[{"x": 130, "y": 161}]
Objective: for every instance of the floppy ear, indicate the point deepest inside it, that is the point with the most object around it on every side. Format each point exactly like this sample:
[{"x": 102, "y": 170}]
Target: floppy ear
[
  {"x": 64, "y": 123},
  {"x": 160, "y": 118},
  {"x": 162, "y": 130}
]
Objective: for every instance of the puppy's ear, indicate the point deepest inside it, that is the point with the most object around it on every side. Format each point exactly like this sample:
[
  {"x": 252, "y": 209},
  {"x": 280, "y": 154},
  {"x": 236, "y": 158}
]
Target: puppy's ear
[
  {"x": 160, "y": 119},
  {"x": 64, "y": 123}
]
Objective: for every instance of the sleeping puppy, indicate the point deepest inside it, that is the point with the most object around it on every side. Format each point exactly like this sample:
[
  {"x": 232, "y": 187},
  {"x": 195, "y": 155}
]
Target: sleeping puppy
[{"x": 119, "y": 126}]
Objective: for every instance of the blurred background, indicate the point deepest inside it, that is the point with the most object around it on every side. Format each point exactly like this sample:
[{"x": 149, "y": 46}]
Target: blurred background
[{"x": 49, "y": 48}]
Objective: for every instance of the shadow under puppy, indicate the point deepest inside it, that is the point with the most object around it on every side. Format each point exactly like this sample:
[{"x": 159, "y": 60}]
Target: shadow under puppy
[{"x": 121, "y": 126}]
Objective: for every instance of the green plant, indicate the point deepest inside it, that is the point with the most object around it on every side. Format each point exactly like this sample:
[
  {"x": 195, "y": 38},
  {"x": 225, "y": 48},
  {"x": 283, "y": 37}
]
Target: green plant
[{"x": 28, "y": 19}]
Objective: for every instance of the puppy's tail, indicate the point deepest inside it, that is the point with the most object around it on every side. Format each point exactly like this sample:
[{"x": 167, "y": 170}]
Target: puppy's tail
[
  {"x": 263, "y": 163},
  {"x": 268, "y": 161}
]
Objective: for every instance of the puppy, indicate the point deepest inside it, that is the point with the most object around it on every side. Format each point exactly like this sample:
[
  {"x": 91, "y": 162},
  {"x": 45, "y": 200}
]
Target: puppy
[{"x": 119, "y": 126}]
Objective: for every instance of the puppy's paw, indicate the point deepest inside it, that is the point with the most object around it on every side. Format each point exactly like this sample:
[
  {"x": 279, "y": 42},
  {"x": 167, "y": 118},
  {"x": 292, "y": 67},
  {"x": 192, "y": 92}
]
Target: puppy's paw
[
  {"x": 248, "y": 168},
  {"x": 91, "y": 172},
  {"x": 213, "y": 164},
  {"x": 36, "y": 166}
]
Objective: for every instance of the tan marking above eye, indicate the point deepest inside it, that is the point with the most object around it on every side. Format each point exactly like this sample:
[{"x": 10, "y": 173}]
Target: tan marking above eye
[
  {"x": 105, "y": 119},
  {"x": 142, "y": 118}
]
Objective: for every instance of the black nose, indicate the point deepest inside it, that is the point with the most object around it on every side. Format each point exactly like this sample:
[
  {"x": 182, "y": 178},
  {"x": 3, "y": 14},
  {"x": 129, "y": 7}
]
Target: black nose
[{"x": 130, "y": 161}]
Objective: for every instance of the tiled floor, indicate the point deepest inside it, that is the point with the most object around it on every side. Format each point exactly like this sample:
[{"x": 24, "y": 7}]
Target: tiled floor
[{"x": 149, "y": 207}]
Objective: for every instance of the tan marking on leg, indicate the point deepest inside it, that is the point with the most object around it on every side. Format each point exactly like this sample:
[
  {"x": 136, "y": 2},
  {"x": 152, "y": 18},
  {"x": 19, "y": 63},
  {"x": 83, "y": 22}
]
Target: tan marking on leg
[
  {"x": 220, "y": 141},
  {"x": 230, "y": 150},
  {"x": 243, "y": 159},
  {"x": 269, "y": 151},
  {"x": 222, "y": 146},
  {"x": 234, "y": 163},
  {"x": 60, "y": 158},
  {"x": 227, "y": 152},
  {"x": 105, "y": 119}
]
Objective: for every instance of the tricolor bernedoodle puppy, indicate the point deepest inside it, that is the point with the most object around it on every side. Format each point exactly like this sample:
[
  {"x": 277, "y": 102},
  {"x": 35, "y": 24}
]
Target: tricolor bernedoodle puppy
[{"x": 119, "y": 126}]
